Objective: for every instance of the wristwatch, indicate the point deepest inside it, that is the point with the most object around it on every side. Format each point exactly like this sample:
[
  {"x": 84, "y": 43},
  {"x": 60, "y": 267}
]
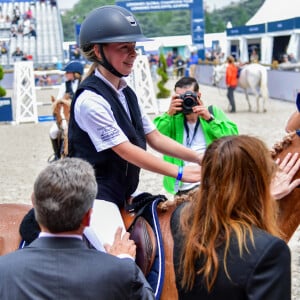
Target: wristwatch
[{"x": 210, "y": 119}]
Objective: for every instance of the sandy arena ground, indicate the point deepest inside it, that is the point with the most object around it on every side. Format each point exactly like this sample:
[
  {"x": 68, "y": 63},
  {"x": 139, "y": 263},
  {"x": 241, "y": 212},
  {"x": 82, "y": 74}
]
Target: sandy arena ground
[{"x": 25, "y": 149}]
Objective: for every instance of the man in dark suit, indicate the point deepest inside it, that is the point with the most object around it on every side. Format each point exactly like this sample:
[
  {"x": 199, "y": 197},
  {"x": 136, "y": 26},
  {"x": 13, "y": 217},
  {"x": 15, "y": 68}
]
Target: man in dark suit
[{"x": 58, "y": 264}]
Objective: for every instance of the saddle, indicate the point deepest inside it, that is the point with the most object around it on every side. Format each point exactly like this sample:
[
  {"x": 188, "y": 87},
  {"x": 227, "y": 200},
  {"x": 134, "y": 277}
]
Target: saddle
[{"x": 146, "y": 233}]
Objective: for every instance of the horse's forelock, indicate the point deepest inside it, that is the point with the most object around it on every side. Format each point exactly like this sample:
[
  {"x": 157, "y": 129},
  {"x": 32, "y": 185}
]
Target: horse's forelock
[{"x": 283, "y": 144}]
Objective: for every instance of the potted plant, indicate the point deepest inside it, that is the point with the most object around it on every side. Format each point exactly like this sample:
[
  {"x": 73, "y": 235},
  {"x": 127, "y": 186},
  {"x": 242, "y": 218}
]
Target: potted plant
[
  {"x": 2, "y": 90},
  {"x": 5, "y": 102},
  {"x": 162, "y": 71}
]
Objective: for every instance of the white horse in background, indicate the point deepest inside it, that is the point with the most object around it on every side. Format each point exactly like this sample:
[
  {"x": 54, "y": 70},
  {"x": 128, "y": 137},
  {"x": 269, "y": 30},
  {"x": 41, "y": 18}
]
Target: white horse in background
[{"x": 252, "y": 77}]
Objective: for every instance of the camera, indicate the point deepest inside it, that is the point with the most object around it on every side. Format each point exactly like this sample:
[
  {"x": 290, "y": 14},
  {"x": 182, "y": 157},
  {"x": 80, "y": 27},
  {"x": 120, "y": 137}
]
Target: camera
[{"x": 189, "y": 101}]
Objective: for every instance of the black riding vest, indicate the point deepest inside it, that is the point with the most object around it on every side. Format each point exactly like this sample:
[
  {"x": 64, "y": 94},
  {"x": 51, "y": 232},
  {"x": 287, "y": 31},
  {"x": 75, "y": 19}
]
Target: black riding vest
[{"x": 117, "y": 179}]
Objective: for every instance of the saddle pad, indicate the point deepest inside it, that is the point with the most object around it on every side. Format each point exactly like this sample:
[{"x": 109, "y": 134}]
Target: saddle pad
[{"x": 155, "y": 276}]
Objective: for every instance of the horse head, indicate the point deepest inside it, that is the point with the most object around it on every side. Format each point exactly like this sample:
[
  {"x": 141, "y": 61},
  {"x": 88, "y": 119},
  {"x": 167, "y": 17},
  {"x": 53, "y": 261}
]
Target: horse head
[
  {"x": 289, "y": 206},
  {"x": 218, "y": 74},
  {"x": 61, "y": 112}
]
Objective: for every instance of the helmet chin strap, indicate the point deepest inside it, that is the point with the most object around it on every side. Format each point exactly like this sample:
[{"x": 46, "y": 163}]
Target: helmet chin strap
[{"x": 104, "y": 62}]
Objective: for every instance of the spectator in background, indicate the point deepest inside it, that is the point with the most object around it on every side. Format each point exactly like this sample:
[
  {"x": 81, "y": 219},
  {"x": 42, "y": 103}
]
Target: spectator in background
[
  {"x": 20, "y": 29},
  {"x": 13, "y": 31},
  {"x": 254, "y": 56},
  {"x": 180, "y": 65},
  {"x": 2, "y": 19},
  {"x": 17, "y": 54},
  {"x": 76, "y": 53},
  {"x": 285, "y": 58},
  {"x": 291, "y": 58},
  {"x": 193, "y": 61},
  {"x": 44, "y": 80},
  {"x": 7, "y": 19},
  {"x": 28, "y": 14},
  {"x": 31, "y": 32},
  {"x": 4, "y": 48},
  {"x": 153, "y": 62},
  {"x": 24, "y": 57},
  {"x": 16, "y": 15},
  {"x": 170, "y": 64},
  {"x": 231, "y": 81}
]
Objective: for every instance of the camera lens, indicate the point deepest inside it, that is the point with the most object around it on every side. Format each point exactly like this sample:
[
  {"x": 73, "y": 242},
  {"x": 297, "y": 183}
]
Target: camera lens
[{"x": 189, "y": 101}]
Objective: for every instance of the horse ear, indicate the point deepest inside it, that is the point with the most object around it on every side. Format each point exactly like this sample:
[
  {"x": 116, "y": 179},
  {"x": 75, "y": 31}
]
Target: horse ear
[{"x": 52, "y": 99}]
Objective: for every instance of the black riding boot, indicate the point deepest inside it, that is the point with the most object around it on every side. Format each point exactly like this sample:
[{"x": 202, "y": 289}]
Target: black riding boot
[{"x": 56, "y": 149}]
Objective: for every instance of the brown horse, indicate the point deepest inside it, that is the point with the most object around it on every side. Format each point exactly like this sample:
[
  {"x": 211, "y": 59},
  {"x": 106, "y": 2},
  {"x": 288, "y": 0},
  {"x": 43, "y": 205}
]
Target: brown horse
[
  {"x": 289, "y": 206},
  {"x": 11, "y": 217},
  {"x": 61, "y": 112},
  {"x": 289, "y": 219}
]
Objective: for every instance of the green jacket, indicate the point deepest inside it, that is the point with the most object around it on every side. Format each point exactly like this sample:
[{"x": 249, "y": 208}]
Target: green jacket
[{"x": 173, "y": 127}]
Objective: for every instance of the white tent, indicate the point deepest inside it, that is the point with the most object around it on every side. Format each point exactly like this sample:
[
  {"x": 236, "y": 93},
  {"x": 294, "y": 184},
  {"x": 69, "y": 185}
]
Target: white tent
[
  {"x": 282, "y": 12},
  {"x": 275, "y": 10}
]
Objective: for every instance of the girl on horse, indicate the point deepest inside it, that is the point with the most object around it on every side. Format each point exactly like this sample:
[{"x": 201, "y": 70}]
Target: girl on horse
[
  {"x": 73, "y": 75},
  {"x": 108, "y": 126}
]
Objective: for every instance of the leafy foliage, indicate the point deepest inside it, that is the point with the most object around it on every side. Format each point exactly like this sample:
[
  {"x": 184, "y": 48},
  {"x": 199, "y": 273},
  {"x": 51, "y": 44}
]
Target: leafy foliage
[
  {"x": 168, "y": 23},
  {"x": 237, "y": 14},
  {"x": 2, "y": 90},
  {"x": 162, "y": 71}
]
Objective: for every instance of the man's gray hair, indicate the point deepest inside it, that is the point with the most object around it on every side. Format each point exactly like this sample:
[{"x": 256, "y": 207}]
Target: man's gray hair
[{"x": 63, "y": 192}]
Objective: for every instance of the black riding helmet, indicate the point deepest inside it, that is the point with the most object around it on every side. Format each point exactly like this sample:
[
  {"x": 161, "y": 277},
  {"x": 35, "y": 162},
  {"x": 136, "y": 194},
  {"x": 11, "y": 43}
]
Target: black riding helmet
[{"x": 109, "y": 24}]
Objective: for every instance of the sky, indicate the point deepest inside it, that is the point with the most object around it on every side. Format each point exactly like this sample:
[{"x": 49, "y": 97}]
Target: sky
[{"x": 67, "y": 4}]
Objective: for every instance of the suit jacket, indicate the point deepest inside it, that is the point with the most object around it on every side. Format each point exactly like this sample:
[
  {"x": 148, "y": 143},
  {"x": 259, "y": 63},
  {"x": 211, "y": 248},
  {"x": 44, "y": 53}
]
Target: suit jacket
[
  {"x": 66, "y": 269},
  {"x": 263, "y": 273}
]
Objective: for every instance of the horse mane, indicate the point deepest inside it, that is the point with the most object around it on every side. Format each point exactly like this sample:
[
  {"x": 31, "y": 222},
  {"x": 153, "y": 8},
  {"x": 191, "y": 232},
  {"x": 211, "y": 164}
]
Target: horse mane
[
  {"x": 189, "y": 197},
  {"x": 283, "y": 144}
]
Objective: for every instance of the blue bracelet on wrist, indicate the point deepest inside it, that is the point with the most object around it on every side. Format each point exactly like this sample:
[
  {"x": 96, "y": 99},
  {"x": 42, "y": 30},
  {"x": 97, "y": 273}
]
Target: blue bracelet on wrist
[
  {"x": 180, "y": 171},
  {"x": 178, "y": 178}
]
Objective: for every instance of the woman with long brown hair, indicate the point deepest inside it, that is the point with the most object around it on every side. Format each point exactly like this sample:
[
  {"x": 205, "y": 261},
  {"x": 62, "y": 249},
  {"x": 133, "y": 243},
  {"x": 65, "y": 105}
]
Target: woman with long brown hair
[{"x": 227, "y": 244}]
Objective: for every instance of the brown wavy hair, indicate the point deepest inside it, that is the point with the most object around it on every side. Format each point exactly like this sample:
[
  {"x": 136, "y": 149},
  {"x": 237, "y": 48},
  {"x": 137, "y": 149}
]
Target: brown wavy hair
[{"x": 234, "y": 195}]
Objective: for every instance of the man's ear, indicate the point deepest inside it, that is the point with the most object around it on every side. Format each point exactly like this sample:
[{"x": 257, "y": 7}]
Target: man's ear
[
  {"x": 199, "y": 98},
  {"x": 87, "y": 218}
]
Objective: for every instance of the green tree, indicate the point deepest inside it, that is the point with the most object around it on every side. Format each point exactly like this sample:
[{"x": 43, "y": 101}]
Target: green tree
[
  {"x": 164, "y": 23},
  {"x": 2, "y": 90},
  {"x": 162, "y": 71}
]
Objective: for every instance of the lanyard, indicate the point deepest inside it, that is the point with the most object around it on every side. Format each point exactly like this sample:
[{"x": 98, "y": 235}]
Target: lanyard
[{"x": 188, "y": 141}]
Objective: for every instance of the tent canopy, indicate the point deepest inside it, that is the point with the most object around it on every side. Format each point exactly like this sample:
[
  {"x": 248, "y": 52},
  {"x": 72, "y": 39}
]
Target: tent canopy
[{"x": 274, "y": 10}]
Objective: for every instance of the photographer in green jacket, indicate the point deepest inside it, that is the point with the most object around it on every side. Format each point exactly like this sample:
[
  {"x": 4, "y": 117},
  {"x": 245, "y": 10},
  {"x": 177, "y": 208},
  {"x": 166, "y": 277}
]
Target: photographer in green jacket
[{"x": 192, "y": 124}]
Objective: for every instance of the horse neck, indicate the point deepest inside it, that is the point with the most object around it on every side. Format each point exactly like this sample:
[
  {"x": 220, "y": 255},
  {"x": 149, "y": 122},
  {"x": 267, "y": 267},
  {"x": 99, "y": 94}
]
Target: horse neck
[
  {"x": 289, "y": 214},
  {"x": 61, "y": 112}
]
